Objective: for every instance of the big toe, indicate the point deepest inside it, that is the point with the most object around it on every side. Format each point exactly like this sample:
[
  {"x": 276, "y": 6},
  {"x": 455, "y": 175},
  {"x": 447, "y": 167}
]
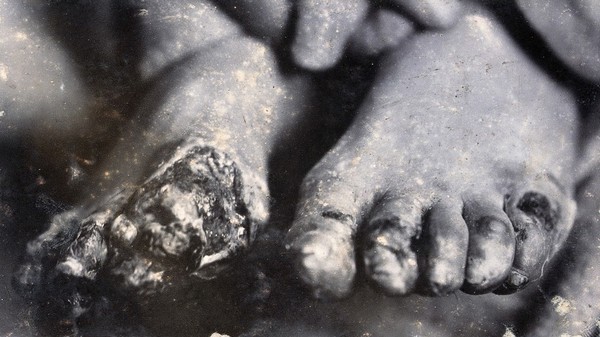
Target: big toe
[
  {"x": 321, "y": 240},
  {"x": 324, "y": 258}
]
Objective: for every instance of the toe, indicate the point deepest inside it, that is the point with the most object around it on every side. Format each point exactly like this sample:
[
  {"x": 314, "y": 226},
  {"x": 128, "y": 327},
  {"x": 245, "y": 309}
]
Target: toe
[
  {"x": 444, "y": 243},
  {"x": 323, "y": 29},
  {"x": 321, "y": 240},
  {"x": 324, "y": 257},
  {"x": 88, "y": 252},
  {"x": 491, "y": 244},
  {"x": 382, "y": 30},
  {"x": 538, "y": 220},
  {"x": 432, "y": 13},
  {"x": 389, "y": 259}
]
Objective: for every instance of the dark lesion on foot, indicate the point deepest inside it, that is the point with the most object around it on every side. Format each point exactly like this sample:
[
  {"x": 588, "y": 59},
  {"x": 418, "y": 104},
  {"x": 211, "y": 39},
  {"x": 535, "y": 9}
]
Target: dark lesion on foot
[
  {"x": 190, "y": 219},
  {"x": 395, "y": 236},
  {"x": 538, "y": 206},
  {"x": 185, "y": 224}
]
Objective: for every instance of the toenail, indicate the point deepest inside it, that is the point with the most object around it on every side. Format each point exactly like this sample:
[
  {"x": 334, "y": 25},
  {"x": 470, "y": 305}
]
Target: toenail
[
  {"x": 325, "y": 263},
  {"x": 515, "y": 281},
  {"x": 517, "y": 278},
  {"x": 393, "y": 272},
  {"x": 124, "y": 230},
  {"x": 521, "y": 222},
  {"x": 394, "y": 227}
]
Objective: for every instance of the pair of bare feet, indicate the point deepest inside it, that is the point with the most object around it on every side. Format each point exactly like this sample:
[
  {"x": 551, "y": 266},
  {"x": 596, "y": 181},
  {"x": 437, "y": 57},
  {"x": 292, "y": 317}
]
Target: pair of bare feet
[{"x": 455, "y": 173}]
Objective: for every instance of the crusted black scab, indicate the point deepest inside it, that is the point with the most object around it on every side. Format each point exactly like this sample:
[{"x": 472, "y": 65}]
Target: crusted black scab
[
  {"x": 339, "y": 216},
  {"x": 537, "y": 205},
  {"x": 192, "y": 208},
  {"x": 211, "y": 182}
]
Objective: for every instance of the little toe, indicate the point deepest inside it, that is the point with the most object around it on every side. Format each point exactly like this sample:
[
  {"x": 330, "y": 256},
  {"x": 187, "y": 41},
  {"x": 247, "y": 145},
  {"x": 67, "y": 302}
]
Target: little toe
[
  {"x": 389, "y": 258},
  {"x": 538, "y": 221},
  {"x": 323, "y": 29},
  {"x": 444, "y": 241},
  {"x": 321, "y": 240},
  {"x": 491, "y": 245}
]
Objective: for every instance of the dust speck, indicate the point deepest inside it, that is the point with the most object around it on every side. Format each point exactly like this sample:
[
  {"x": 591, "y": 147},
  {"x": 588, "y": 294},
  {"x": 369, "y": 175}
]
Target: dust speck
[
  {"x": 3, "y": 72},
  {"x": 509, "y": 333},
  {"x": 561, "y": 305}
]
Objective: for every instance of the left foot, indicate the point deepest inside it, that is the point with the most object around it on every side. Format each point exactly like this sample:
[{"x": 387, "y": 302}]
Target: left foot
[{"x": 456, "y": 173}]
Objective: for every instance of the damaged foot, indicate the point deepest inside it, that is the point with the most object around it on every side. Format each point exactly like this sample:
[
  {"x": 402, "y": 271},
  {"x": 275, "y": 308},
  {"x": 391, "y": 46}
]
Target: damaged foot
[
  {"x": 186, "y": 222},
  {"x": 181, "y": 192},
  {"x": 456, "y": 173},
  {"x": 175, "y": 189}
]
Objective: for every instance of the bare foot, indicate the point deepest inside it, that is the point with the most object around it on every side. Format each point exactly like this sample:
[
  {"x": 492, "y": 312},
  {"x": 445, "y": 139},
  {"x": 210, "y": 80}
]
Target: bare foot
[
  {"x": 456, "y": 173},
  {"x": 183, "y": 192}
]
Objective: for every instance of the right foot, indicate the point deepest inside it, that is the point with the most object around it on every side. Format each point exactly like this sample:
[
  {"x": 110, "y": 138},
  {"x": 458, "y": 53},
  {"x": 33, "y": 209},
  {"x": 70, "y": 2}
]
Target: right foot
[
  {"x": 456, "y": 173},
  {"x": 183, "y": 191}
]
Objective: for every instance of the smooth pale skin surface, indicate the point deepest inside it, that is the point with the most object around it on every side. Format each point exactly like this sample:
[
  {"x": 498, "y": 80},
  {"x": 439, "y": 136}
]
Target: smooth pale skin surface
[
  {"x": 325, "y": 27},
  {"x": 572, "y": 30},
  {"x": 36, "y": 78},
  {"x": 457, "y": 120}
]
